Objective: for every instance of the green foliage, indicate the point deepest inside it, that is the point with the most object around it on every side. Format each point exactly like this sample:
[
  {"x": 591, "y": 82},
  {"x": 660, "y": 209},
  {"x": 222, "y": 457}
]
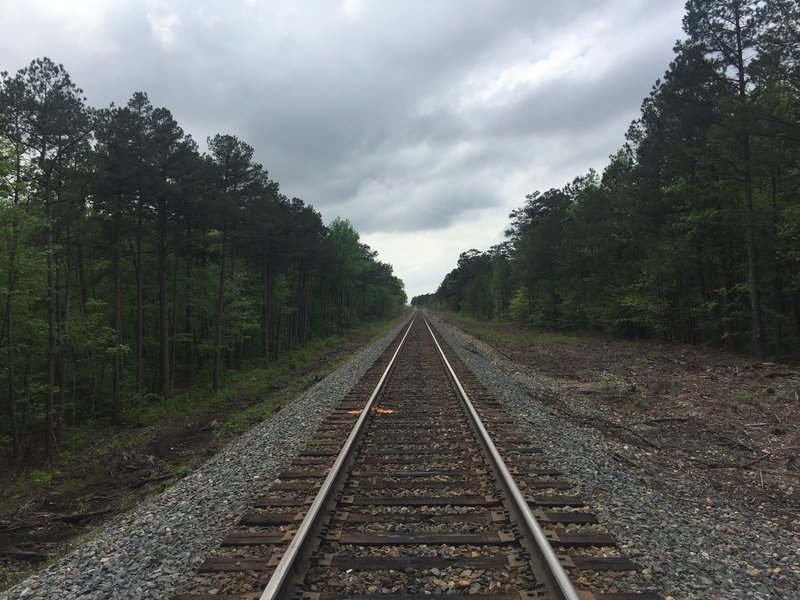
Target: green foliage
[
  {"x": 628, "y": 312},
  {"x": 41, "y": 479},
  {"x": 241, "y": 321},
  {"x": 133, "y": 268},
  {"x": 181, "y": 471},
  {"x": 747, "y": 399},
  {"x": 152, "y": 409},
  {"x": 692, "y": 231},
  {"x": 357, "y": 286},
  {"x": 467, "y": 288},
  {"x": 519, "y": 307}
]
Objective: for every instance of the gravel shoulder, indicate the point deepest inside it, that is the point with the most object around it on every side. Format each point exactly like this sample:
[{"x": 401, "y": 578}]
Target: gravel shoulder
[
  {"x": 151, "y": 551},
  {"x": 693, "y": 540},
  {"x": 688, "y": 534}
]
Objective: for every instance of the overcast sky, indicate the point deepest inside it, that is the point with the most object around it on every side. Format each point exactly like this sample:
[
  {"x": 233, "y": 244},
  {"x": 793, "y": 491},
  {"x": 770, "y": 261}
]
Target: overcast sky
[{"x": 423, "y": 122}]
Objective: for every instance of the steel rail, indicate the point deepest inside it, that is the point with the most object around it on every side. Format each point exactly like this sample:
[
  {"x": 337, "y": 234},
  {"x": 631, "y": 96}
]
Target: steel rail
[
  {"x": 550, "y": 570},
  {"x": 299, "y": 547}
]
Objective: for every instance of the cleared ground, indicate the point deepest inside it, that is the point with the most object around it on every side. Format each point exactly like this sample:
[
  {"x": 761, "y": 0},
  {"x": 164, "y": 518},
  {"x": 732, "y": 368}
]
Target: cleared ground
[{"x": 704, "y": 413}]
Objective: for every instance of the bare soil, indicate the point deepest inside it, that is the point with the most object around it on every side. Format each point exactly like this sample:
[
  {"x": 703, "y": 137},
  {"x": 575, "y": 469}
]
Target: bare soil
[{"x": 702, "y": 414}]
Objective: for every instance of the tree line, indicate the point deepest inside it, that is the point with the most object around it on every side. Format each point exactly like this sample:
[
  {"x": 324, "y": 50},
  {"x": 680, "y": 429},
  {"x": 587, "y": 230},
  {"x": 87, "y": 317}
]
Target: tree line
[
  {"x": 133, "y": 265},
  {"x": 692, "y": 230}
]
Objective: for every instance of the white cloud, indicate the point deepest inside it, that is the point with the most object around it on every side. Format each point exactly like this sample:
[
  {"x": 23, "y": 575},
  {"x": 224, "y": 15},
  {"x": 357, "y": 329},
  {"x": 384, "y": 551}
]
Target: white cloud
[
  {"x": 353, "y": 8},
  {"x": 422, "y": 259},
  {"x": 164, "y": 27}
]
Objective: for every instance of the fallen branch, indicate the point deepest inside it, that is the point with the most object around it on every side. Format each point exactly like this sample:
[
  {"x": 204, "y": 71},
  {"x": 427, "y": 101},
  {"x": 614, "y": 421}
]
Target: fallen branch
[
  {"x": 733, "y": 442},
  {"x": 147, "y": 481},
  {"x": 20, "y": 525},
  {"x": 24, "y": 555},
  {"x": 47, "y": 518},
  {"x": 473, "y": 350},
  {"x": 79, "y": 517},
  {"x": 627, "y": 461},
  {"x": 592, "y": 422},
  {"x": 773, "y": 374},
  {"x": 782, "y": 473},
  {"x": 633, "y": 432},
  {"x": 491, "y": 345},
  {"x": 708, "y": 465}
]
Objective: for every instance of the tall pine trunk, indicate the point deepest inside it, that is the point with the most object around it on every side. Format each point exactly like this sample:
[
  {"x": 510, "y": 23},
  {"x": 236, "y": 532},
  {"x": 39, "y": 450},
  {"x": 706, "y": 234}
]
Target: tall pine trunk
[
  {"x": 11, "y": 280},
  {"x": 116, "y": 376},
  {"x": 173, "y": 354},
  {"x": 265, "y": 305},
  {"x": 10, "y": 341},
  {"x": 756, "y": 324},
  {"x": 189, "y": 329},
  {"x": 52, "y": 339},
  {"x": 62, "y": 339},
  {"x": 215, "y": 383},
  {"x": 139, "y": 297},
  {"x": 163, "y": 302}
]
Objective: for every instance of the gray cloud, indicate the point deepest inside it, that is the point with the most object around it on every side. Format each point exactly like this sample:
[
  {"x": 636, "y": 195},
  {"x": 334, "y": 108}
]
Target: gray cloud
[{"x": 404, "y": 117}]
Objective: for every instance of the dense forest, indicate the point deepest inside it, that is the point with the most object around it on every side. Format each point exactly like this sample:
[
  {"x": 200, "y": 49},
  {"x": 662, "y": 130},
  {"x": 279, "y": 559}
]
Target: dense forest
[
  {"x": 132, "y": 265},
  {"x": 692, "y": 230}
]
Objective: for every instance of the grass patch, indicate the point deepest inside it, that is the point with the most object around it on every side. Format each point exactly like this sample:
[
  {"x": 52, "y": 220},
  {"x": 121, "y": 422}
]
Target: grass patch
[
  {"x": 509, "y": 336},
  {"x": 276, "y": 385},
  {"x": 13, "y": 573},
  {"x": 660, "y": 387},
  {"x": 41, "y": 479},
  {"x": 747, "y": 399},
  {"x": 637, "y": 405}
]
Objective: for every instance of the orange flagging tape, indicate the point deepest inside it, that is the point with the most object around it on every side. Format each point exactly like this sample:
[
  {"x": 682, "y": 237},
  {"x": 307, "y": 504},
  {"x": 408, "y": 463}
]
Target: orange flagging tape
[{"x": 377, "y": 409}]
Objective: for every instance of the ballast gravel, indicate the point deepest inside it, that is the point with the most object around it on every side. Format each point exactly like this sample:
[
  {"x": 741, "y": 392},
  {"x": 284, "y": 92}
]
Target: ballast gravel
[
  {"x": 690, "y": 544},
  {"x": 151, "y": 551}
]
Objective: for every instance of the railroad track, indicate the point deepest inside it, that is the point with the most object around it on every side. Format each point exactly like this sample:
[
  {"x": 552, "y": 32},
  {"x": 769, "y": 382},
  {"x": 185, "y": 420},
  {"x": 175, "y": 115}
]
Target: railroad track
[{"x": 418, "y": 484}]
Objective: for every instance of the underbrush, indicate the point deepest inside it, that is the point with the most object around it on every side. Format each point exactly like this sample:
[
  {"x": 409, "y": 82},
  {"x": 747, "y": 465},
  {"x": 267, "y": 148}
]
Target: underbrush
[
  {"x": 95, "y": 456},
  {"x": 509, "y": 335}
]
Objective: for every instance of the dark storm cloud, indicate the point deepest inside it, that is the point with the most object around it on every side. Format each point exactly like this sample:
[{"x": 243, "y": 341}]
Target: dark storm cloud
[{"x": 402, "y": 116}]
